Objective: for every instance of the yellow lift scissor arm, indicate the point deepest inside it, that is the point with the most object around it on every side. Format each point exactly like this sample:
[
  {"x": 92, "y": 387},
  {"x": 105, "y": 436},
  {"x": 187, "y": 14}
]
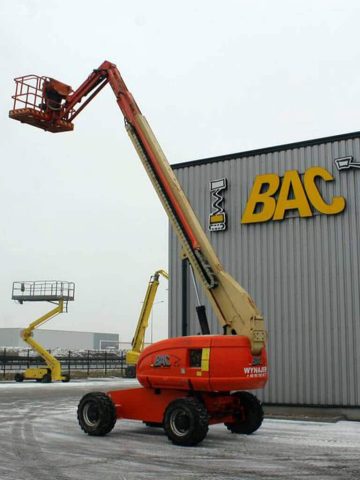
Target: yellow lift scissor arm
[
  {"x": 55, "y": 292},
  {"x": 138, "y": 341}
]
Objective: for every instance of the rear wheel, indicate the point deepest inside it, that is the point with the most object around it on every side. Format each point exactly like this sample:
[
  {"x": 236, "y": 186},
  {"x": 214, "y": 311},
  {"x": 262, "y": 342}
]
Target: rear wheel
[
  {"x": 186, "y": 421},
  {"x": 248, "y": 413},
  {"x": 66, "y": 378},
  {"x": 96, "y": 414},
  {"x": 130, "y": 371},
  {"x": 46, "y": 378},
  {"x": 19, "y": 377}
]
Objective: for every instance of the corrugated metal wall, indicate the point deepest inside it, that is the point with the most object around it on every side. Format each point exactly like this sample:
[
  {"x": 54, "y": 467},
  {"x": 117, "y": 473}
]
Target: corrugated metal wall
[{"x": 304, "y": 273}]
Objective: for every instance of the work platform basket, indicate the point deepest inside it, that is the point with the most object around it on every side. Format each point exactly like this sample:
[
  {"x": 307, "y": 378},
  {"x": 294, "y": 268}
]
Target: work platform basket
[
  {"x": 43, "y": 291},
  {"x": 38, "y": 101}
]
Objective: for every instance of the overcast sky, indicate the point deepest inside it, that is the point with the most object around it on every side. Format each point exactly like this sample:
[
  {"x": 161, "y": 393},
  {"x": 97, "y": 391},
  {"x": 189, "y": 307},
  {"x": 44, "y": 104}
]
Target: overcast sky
[{"x": 212, "y": 78}]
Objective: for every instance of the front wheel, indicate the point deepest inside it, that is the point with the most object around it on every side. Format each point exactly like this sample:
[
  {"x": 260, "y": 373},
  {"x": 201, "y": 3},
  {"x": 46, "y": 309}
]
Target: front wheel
[
  {"x": 186, "y": 421},
  {"x": 46, "y": 378},
  {"x": 248, "y": 413},
  {"x": 96, "y": 414},
  {"x": 66, "y": 378},
  {"x": 19, "y": 377},
  {"x": 130, "y": 371}
]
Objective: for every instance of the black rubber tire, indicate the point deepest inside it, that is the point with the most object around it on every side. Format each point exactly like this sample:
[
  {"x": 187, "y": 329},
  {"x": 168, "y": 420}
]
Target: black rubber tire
[
  {"x": 130, "y": 371},
  {"x": 186, "y": 422},
  {"x": 19, "y": 377},
  {"x": 66, "y": 378},
  {"x": 248, "y": 412},
  {"x": 46, "y": 378},
  {"x": 96, "y": 414}
]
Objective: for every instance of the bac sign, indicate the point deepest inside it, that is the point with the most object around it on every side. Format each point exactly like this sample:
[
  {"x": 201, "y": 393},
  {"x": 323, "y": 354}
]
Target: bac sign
[{"x": 274, "y": 197}]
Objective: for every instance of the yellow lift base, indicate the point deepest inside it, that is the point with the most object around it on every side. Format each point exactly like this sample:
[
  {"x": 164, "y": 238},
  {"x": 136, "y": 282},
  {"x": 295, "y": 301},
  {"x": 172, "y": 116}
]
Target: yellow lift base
[{"x": 58, "y": 293}]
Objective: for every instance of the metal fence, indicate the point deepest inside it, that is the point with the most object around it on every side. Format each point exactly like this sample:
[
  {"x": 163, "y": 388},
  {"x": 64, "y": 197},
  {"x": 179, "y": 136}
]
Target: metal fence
[{"x": 71, "y": 361}]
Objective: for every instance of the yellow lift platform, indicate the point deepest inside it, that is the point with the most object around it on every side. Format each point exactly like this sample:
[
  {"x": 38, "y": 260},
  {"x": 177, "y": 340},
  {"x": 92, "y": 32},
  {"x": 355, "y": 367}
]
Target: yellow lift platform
[
  {"x": 137, "y": 344},
  {"x": 58, "y": 293}
]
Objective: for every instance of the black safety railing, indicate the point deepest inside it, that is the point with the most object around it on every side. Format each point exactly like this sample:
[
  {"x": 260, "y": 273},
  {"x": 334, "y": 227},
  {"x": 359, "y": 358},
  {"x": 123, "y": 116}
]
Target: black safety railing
[
  {"x": 84, "y": 362},
  {"x": 43, "y": 290}
]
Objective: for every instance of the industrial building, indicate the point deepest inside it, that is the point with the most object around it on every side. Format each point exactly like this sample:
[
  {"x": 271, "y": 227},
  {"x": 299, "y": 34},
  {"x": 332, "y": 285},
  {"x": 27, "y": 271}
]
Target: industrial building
[
  {"x": 285, "y": 223},
  {"x": 51, "y": 339}
]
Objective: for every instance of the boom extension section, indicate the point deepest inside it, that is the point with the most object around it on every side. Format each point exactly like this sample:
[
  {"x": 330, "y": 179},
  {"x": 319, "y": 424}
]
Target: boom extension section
[{"x": 51, "y": 105}]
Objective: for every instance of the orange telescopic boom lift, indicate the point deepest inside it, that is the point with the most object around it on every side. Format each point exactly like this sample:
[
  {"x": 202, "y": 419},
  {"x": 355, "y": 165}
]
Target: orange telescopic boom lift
[{"x": 187, "y": 382}]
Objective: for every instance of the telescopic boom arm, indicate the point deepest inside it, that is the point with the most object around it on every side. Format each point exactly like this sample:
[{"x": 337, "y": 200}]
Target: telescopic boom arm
[
  {"x": 234, "y": 308},
  {"x": 143, "y": 322},
  {"x": 138, "y": 342}
]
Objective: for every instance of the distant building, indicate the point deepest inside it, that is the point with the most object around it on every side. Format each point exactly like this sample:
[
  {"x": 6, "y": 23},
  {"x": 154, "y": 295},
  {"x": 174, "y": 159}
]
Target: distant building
[{"x": 10, "y": 337}]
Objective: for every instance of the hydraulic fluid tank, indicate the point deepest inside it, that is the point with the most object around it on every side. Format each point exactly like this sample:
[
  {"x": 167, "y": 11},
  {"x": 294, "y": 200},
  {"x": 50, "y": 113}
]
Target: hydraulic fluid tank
[{"x": 204, "y": 363}]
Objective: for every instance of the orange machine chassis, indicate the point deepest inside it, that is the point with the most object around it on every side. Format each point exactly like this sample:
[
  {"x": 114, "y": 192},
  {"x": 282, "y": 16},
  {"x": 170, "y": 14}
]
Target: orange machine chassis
[{"x": 188, "y": 383}]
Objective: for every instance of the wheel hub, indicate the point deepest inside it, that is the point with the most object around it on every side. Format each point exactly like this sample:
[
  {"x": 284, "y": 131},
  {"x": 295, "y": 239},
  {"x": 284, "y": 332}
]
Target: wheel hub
[
  {"x": 91, "y": 414},
  {"x": 180, "y": 422}
]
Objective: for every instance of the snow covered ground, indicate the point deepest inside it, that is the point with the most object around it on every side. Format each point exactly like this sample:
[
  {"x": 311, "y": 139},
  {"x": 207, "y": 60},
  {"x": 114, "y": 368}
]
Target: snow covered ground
[
  {"x": 106, "y": 383},
  {"x": 40, "y": 439}
]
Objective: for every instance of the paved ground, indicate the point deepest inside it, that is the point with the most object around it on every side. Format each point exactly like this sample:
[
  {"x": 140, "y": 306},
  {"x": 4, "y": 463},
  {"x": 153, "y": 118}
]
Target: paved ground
[{"x": 40, "y": 439}]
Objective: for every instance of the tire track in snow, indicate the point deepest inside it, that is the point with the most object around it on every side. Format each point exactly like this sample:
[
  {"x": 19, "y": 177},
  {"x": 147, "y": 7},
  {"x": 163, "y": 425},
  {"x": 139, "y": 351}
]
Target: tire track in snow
[{"x": 35, "y": 464}]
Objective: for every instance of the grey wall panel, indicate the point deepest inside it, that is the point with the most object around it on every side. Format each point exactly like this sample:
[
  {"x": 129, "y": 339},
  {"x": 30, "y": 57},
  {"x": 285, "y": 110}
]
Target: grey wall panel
[
  {"x": 304, "y": 273},
  {"x": 10, "y": 337},
  {"x": 64, "y": 339}
]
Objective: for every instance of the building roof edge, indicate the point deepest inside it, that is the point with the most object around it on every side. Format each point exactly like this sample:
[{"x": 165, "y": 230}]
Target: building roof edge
[{"x": 260, "y": 151}]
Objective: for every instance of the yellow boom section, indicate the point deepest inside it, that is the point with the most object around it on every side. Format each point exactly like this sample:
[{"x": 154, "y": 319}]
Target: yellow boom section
[
  {"x": 143, "y": 322},
  {"x": 52, "y": 363},
  {"x": 234, "y": 308}
]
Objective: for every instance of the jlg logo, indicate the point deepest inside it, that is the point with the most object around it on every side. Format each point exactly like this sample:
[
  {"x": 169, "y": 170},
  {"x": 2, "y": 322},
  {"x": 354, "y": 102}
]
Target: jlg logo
[
  {"x": 293, "y": 194},
  {"x": 162, "y": 361}
]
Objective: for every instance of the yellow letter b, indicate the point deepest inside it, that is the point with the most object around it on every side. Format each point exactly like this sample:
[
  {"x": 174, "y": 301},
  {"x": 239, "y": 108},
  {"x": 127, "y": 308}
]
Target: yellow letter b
[{"x": 257, "y": 197}]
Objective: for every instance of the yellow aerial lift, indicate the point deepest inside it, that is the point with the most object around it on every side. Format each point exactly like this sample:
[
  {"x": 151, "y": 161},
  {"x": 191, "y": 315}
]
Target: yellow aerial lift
[
  {"x": 58, "y": 293},
  {"x": 137, "y": 343}
]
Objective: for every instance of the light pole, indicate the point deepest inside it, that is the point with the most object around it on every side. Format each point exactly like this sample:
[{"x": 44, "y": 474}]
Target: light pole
[{"x": 152, "y": 320}]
